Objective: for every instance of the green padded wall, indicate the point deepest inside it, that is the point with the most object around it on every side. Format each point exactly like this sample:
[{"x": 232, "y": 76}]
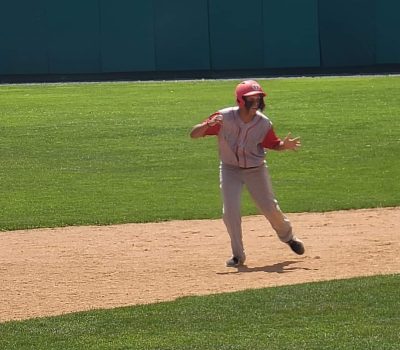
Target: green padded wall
[
  {"x": 236, "y": 34},
  {"x": 127, "y": 36},
  {"x": 181, "y": 35},
  {"x": 291, "y": 37},
  {"x": 388, "y": 31},
  {"x": 23, "y": 48},
  {"x": 73, "y": 36},
  {"x": 347, "y": 32},
  {"x": 96, "y": 36}
]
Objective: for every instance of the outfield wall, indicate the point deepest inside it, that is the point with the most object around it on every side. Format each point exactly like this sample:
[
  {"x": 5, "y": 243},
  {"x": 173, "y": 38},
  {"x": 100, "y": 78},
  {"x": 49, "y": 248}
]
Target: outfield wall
[{"x": 104, "y": 36}]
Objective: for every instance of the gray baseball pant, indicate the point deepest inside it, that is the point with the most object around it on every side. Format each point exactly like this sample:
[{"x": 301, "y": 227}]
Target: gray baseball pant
[{"x": 258, "y": 183}]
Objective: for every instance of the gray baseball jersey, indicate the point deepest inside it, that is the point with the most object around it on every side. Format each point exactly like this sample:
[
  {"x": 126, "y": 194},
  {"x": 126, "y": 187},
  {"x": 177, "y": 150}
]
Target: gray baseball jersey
[{"x": 243, "y": 144}]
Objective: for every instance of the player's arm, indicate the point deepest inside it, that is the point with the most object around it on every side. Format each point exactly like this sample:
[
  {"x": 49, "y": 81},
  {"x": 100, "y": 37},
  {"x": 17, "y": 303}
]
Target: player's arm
[
  {"x": 199, "y": 130},
  {"x": 210, "y": 126},
  {"x": 272, "y": 141}
]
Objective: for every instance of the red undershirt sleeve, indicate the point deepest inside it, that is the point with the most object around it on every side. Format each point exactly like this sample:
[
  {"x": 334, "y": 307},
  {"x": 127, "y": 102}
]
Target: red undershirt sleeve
[
  {"x": 271, "y": 140},
  {"x": 212, "y": 130}
]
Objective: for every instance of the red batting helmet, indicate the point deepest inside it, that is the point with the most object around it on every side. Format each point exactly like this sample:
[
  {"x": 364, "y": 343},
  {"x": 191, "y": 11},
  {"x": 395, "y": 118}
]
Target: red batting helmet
[{"x": 247, "y": 88}]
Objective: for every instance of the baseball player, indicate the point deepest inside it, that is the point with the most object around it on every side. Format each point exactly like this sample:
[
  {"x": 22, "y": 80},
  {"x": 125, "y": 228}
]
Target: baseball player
[{"x": 244, "y": 133}]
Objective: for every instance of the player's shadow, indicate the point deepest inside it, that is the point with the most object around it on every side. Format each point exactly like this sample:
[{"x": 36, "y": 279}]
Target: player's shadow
[{"x": 275, "y": 268}]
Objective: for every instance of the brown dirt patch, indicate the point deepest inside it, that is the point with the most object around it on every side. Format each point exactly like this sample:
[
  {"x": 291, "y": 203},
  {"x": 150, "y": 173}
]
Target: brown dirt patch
[{"x": 55, "y": 271}]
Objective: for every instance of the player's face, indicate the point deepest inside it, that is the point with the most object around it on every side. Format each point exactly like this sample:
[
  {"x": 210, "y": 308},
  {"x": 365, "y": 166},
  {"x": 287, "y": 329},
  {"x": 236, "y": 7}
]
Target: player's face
[{"x": 252, "y": 103}]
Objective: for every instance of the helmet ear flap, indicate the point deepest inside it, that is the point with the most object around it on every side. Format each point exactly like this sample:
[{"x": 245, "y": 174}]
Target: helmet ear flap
[{"x": 240, "y": 101}]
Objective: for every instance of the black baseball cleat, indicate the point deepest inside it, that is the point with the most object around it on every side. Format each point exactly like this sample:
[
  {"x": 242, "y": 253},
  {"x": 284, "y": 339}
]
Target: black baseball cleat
[
  {"x": 234, "y": 262},
  {"x": 296, "y": 245}
]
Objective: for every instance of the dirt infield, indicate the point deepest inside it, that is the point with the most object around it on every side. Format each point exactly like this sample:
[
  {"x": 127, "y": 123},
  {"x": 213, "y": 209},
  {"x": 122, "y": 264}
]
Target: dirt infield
[{"x": 55, "y": 271}]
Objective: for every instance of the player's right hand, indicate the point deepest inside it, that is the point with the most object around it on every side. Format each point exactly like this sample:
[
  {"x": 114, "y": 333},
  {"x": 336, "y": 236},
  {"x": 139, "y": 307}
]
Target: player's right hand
[{"x": 215, "y": 119}]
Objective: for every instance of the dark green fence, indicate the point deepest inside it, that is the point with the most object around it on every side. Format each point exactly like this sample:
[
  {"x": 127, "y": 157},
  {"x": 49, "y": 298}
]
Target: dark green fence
[{"x": 104, "y": 36}]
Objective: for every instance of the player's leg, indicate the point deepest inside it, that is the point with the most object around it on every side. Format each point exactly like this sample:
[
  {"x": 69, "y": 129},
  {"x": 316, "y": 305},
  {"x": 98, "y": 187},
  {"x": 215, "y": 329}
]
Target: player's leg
[
  {"x": 259, "y": 185},
  {"x": 231, "y": 189}
]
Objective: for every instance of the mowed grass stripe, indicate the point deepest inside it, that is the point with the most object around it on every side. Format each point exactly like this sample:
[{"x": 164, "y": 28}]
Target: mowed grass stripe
[
  {"x": 359, "y": 313},
  {"x": 81, "y": 154}
]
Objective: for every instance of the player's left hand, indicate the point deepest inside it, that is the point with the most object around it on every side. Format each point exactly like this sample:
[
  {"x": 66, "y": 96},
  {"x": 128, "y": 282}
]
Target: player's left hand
[{"x": 291, "y": 144}]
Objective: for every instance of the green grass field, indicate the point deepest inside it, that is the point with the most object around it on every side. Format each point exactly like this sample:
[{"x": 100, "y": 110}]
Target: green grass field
[
  {"x": 355, "y": 314},
  {"x": 79, "y": 154}
]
